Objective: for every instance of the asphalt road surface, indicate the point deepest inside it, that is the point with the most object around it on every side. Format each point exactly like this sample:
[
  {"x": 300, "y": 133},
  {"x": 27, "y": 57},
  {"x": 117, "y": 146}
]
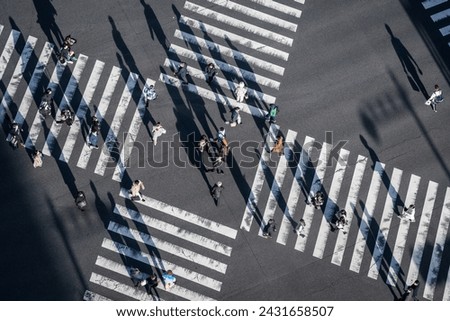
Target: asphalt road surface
[{"x": 351, "y": 79}]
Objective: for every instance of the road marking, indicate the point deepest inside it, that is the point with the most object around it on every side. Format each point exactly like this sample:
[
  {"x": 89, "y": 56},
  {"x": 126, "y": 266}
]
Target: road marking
[
  {"x": 118, "y": 287},
  {"x": 234, "y": 38},
  {"x": 432, "y": 3},
  {"x": 17, "y": 76},
  {"x": 244, "y": 26},
  {"x": 385, "y": 223},
  {"x": 92, "y": 296},
  {"x": 126, "y": 271},
  {"x": 163, "y": 265},
  {"x": 316, "y": 185},
  {"x": 251, "y": 12},
  {"x": 445, "y": 31},
  {"x": 402, "y": 233},
  {"x": 275, "y": 190},
  {"x": 224, "y": 67},
  {"x": 208, "y": 94},
  {"x": 228, "y": 52},
  {"x": 331, "y": 205},
  {"x": 173, "y": 230},
  {"x": 39, "y": 120},
  {"x": 132, "y": 133},
  {"x": 80, "y": 118},
  {"x": 101, "y": 111},
  {"x": 440, "y": 15},
  {"x": 424, "y": 224},
  {"x": 64, "y": 104},
  {"x": 8, "y": 51},
  {"x": 369, "y": 208},
  {"x": 279, "y": 7},
  {"x": 298, "y": 184},
  {"x": 168, "y": 247},
  {"x": 251, "y": 210},
  {"x": 350, "y": 208},
  {"x": 112, "y": 140},
  {"x": 184, "y": 215},
  {"x": 27, "y": 99},
  {"x": 438, "y": 249}
]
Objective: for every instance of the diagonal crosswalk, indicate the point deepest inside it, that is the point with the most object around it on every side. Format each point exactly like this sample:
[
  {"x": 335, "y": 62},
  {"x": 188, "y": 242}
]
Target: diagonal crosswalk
[
  {"x": 439, "y": 13},
  {"x": 367, "y": 217}
]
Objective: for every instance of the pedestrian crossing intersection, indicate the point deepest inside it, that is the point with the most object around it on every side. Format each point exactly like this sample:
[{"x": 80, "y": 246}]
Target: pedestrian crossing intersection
[
  {"x": 370, "y": 227},
  {"x": 439, "y": 12}
]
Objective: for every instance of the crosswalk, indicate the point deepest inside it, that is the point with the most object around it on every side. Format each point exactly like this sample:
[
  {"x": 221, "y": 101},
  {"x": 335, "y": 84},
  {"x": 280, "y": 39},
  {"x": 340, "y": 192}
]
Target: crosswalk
[
  {"x": 366, "y": 220},
  {"x": 49, "y": 135},
  {"x": 439, "y": 12}
]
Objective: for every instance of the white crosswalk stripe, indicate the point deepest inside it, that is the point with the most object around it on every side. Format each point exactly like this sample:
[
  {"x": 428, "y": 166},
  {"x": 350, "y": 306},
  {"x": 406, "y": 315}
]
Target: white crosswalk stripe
[
  {"x": 8, "y": 51},
  {"x": 441, "y": 17}
]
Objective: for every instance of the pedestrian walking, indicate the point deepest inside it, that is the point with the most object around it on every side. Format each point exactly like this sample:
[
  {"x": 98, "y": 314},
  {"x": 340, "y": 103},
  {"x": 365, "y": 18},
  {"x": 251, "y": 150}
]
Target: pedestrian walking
[
  {"x": 216, "y": 192},
  {"x": 300, "y": 227},
  {"x": 409, "y": 213},
  {"x": 341, "y": 221},
  {"x": 93, "y": 133},
  {"x": 413, "y": 289},
  {"x": 317, "y": 200},
  {"x": 218, "y": 164},
  {"x": 182, "y": 73},
  {"x": 67, "y": 116},
  {"x": 220, "y": 139},
  {"x": 272, "y": 114},
  {"x": 235, "y": 117},
  {"x": 135, "y": 191},
  {"x": 136, "y": 277},
  {"x": 241, "y": 92},
  {"x": 279, "y": 146},
  {"x": 151, "y": 283},
  {"x": 270, "y": 226},
  {"x": 210, "y": 72},
  {"x": 157, "y": 131},
  {"x": 80, "y": 200},
  {"x": 45, "y": 106},
  {"x": 203, "y": 143},
  {"x": 15, "y": 137},
  {"x": 37, "y": 158},
  {"x": 435, "y": 98},
  {"x": 149, "y": 94},
  {"x": 169, "y": 279}
]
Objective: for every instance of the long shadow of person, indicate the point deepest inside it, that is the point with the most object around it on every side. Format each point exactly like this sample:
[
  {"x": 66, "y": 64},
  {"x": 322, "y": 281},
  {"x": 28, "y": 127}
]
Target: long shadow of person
[
  {"x": 154, "y": 26},
  {"x": 410, "y": 66},
  {"x": 46, "y": 13}
]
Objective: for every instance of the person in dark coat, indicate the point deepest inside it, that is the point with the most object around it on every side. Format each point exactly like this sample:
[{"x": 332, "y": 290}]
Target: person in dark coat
[{"x": 216, "y": 192}]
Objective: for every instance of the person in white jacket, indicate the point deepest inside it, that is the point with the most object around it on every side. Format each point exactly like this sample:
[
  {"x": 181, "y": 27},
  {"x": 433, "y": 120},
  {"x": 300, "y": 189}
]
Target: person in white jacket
[
  {"x": 435, "y": 98},
  {"x": 241, "y": 92},
  {"x": 157, "y": 131}
]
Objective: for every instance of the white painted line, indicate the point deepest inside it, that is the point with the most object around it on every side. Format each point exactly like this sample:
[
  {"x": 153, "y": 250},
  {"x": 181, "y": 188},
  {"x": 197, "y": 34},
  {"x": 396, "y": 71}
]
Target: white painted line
[
  {"x": 224, "y": 67},
  {"x": 224, "y": 83},
  {"x": 81, "y": 111},
  {"x": 279, "y": 7},
  {"x": 64, "y": 104},
  {"x": 287, "y": 224},
  {"x": 331, "y": 206},
  {"x": 17, "y": 76},
  {"x": 244, "y": 26},
  {"x": 438, "y": 249},
  {"x": 251, "y": 209},
  {"x": 385, "y": 223},
  {"x": 118, "y": 287},
  {"x": 402, "y": 233},
  {"x": 38, "y": 119},
  {"x": 280, "y": 173},
  {"x": 112, "y": 139},
  {"x": 234, "y": 38},
  {"x": 8, "y": 51},
  {"x": 161, "y": 264},
  {"x": 132, "y": 133},
  {"x": 446, "y": 296},
  {"x": 424, "y": 224},
  {"x": 432, "y": 3},
  {"x": 251, "y": 12},
  {"x": 168, "y": 247},
  {"x": 101, "y": 111},
  {"x": 440, "y": 15},
  {"x": 445, "y": 31},
  {"x": 92, "y": 296},
  {"x": 316, "y": 185},
  {"x": 300, "y": 1},
  {"x": 173, "y": 230},
  {"x": 208, "y": 94},
  {"x": 126, "y": 271},
  {"x": 228, "y": 52},
  {"x": 1, "y": 29},
  {"x": 350, "y": 208},
  {"x": 27, "y": 99},
  {"x": 367, "y": 215},
  {"x": 184, "y": 215}
]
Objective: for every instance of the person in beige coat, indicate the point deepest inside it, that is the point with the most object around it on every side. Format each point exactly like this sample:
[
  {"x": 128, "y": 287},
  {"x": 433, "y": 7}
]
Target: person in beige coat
[
  {"x": 279, "y": 146},
  {"x": 135, "y": 190},
  {"x": 37, "y": 159}
]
